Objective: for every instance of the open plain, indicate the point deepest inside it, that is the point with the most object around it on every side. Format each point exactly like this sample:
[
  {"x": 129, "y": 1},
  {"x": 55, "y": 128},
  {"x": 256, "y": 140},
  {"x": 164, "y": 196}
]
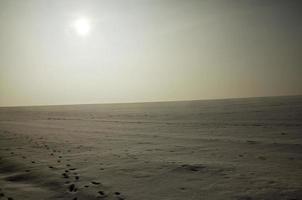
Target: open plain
[{"x": 242, "y": 149}]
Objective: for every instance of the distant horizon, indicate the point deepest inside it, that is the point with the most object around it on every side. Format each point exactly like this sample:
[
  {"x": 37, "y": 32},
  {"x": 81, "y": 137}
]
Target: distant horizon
[{"x": 142, "y": 102}]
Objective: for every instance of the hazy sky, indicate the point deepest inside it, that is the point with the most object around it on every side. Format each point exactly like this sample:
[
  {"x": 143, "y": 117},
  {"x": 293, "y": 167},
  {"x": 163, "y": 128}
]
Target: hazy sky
[{"x": 148, "y": 50}]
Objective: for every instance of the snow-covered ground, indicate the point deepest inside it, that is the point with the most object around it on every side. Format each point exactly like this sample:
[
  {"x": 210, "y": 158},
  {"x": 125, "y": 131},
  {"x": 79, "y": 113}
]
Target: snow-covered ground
[{"x": 242, "y": 149}]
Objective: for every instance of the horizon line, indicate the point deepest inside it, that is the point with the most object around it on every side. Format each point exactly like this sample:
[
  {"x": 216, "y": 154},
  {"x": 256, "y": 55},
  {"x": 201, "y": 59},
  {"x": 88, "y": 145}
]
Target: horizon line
[{"x": 156, "y": 101}]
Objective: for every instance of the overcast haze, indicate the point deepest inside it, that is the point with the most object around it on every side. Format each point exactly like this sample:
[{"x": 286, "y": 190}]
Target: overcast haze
[{"x": 148, "y": 50}]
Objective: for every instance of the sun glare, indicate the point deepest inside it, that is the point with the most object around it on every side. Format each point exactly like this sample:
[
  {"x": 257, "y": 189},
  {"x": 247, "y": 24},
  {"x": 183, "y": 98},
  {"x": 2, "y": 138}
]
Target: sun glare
[{"x": 82, "y": 26}]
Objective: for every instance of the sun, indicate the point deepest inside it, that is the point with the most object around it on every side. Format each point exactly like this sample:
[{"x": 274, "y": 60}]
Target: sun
[{"x": 82, "y": 26}]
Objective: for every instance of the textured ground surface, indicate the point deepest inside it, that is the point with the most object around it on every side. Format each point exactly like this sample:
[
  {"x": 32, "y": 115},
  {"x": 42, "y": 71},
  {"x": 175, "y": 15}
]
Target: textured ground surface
[{"x": 240, "y": 149}]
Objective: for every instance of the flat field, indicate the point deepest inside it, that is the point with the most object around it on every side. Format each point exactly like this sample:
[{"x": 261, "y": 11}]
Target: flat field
[{"x": 242, "y": 149}]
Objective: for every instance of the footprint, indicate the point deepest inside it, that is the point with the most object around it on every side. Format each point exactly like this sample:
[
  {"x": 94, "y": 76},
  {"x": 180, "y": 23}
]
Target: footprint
[
  {"x": 118, "y": 196},
  {"x": 194, "y": 168},
  {"x": 71, "y": 187},
  {"x": 95, "y": 183},
  {"x": 261, "y": 157},
  {"x": 251, "y": 142},
  {"x": 65, "y": 175},
  {"x": 101, "y": 194}
]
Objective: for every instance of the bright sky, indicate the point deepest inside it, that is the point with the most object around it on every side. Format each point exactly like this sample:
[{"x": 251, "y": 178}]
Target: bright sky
[{"x": 70, "y": 52}]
